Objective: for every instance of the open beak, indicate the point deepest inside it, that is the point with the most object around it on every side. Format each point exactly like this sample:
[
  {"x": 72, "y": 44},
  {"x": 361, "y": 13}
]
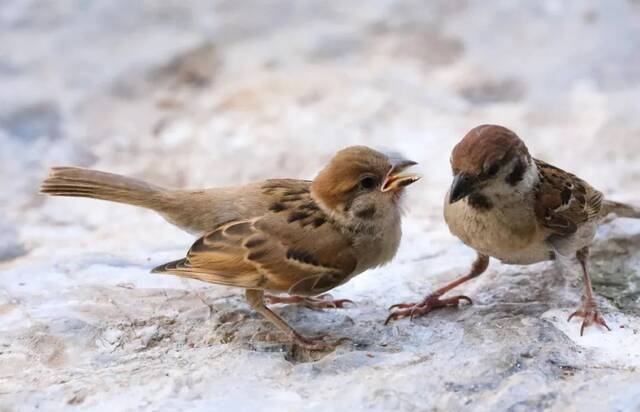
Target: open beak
[
  {"x": 462, "y": 187},
  {"x": 397, "y": 180}
]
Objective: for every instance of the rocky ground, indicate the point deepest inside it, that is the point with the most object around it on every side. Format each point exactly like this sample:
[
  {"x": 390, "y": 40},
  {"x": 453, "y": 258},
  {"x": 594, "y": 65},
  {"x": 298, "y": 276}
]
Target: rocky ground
[{"x": 199, "y": 93}]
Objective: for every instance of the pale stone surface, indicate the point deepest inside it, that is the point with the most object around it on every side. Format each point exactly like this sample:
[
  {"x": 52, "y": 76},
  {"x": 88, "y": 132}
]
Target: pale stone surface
[{"x": 199, "y": 93}]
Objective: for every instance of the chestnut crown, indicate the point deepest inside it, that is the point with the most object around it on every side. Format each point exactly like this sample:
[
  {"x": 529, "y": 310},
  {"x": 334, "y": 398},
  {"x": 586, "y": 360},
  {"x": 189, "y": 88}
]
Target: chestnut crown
[{"x": 485, "y": 149}]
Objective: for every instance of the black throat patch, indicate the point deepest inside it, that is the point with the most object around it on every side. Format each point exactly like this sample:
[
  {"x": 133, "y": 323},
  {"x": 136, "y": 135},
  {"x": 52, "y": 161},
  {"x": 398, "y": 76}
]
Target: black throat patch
[{"x": 480, "y": 202}]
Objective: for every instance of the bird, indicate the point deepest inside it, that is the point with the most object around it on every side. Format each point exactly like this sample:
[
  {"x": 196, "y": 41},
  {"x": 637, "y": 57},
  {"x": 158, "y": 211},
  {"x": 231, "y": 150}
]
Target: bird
[
  {"x": 295, "y": 238},
  {"x": 506, "y": 204}
]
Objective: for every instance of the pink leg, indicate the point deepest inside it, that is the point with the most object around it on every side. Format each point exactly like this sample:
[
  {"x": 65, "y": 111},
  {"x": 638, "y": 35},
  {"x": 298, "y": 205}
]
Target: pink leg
[
  {"x": 255, "y": 299},
  {"x": 589, "y": 309},
  {"x": 434, "y": 300}
]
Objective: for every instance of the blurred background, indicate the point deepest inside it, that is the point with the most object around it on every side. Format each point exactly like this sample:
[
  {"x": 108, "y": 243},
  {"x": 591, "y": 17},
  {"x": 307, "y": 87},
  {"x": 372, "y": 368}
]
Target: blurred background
[
  {"x": 193, "y": 93},
  {"x": 172, "y": 90}
]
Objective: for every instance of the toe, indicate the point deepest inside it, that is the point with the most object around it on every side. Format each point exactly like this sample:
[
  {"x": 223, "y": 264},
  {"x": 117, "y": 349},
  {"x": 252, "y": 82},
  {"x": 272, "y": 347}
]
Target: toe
[
  {"x": 397, "y": 315},
  {"x": 600, "y": 321},
  {"x": 579, "y": 313},
  {"x": 402, "y": 306}
]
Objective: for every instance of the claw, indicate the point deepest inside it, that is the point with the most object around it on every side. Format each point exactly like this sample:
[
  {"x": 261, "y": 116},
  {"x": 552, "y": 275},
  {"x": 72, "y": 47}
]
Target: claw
[
  {"x": 589, "y": 313},
  {"x": 430, "y": 303},
  {"x": 393, "y": 316},
  {"x": 402, "y": 305}
]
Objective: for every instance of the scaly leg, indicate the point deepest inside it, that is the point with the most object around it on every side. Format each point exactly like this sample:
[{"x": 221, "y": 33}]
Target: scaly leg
[
  {"x": 433, "y": 301},
  {"x": 255, "y": 298},
  {"x": 589, "y": 309},
  {"x": 325, "y": 301}
]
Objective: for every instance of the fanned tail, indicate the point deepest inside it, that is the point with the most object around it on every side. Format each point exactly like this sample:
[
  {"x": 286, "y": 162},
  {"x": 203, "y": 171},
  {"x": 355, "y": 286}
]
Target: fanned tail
[{"x": 78, "y": 182}]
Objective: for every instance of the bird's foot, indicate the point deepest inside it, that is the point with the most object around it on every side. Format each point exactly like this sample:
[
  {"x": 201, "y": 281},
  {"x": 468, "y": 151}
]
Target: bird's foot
[
  {"x": 590, "y": 315},
  {"x": 325, "y": 301},
  {"x": 431, "y": 302}
]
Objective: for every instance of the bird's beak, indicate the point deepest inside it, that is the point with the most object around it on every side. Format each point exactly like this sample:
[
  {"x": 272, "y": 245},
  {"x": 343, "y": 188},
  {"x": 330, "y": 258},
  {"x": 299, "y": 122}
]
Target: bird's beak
[
  {"x": 395, "y": 179},
  {"x": 462, "y": 186}
]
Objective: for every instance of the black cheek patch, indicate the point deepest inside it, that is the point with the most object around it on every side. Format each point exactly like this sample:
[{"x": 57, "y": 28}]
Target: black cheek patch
[
  {"x": 565, "y": 196},
  {"x": 480, "y": 202},
  {"x": 517, "y": 174}
]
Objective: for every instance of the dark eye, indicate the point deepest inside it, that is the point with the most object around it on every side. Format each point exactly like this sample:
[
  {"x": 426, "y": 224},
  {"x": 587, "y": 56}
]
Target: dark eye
[
  {"x": 493, "y": 170},
  {"x": 368, "y": 182}
]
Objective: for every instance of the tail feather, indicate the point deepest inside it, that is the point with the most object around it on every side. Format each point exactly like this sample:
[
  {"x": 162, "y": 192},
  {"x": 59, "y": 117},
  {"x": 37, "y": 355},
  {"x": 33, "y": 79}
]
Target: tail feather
[
  {"x": 78, "y": 182},
  {"x": 169, "y": 267},
  {"x": 620, "y": 209},
  {"x": 182, "y": 268}
]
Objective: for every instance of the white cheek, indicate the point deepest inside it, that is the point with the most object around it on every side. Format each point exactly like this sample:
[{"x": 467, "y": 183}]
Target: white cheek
[
  {"x": 530, "y": 178},
  {"x": 500, "y": 187}
]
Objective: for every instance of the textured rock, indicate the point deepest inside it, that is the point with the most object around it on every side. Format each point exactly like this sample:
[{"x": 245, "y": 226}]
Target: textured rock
[{"x": 194, "y": 93}]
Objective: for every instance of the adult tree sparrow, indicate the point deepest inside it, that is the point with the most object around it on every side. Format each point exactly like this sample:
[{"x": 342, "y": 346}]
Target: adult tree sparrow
[
  {"x": 505, "y": 204},
  {"x": 299, "y": 237}
]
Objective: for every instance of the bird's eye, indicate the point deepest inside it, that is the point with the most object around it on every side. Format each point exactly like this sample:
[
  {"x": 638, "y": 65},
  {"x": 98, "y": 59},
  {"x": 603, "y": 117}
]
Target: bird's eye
[
  {"x": 368, "y": 182},
  {"x": 493, "y": 170}
]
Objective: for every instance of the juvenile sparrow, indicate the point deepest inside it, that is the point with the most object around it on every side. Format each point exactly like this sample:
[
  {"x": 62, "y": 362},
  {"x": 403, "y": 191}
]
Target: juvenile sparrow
[
  {"x": 505, "y": 204},
  {"x": 289, "y": 236}
]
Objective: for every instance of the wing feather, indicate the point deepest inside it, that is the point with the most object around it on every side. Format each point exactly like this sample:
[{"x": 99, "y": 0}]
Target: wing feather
[
  {"x": 291, "y": 249},
  {"x": 563, "y": 201}
]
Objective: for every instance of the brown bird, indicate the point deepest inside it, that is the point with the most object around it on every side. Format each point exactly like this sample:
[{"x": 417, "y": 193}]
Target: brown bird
[
  {"x": 289, "y": 236},
  {"x": 505, "y": 204}
]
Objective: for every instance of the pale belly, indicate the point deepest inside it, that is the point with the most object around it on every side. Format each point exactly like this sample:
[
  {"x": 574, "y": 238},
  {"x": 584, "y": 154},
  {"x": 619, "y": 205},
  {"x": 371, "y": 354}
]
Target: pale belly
[{"x": 510, "y": 235}]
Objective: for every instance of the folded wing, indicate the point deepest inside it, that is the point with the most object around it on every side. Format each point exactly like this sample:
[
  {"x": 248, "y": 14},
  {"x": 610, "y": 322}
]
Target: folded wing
[
  {"x": 274, "y": 252},
  {"x": 563, "y": 201}
]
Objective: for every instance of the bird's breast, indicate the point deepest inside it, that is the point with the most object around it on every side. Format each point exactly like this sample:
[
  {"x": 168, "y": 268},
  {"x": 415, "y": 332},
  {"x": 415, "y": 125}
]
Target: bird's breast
[
  {"x": 378, "y": 245},
  {"x": 506, "y": 232}
]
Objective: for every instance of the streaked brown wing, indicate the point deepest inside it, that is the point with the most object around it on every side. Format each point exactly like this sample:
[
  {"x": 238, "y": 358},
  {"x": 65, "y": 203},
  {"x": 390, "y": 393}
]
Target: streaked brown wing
[
  {"x": 291, "y": 249},
  {"x": 564, "y": 201},
  {"x": 219, "y": 257},
  {"x": 303, "y": 259}
]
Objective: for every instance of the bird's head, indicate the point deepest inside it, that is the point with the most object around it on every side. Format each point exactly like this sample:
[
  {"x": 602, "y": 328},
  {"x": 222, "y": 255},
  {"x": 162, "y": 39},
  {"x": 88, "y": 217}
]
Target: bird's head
[
  {"x": 362, "y": 183},
  {"x": 491, "y": 159}
]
